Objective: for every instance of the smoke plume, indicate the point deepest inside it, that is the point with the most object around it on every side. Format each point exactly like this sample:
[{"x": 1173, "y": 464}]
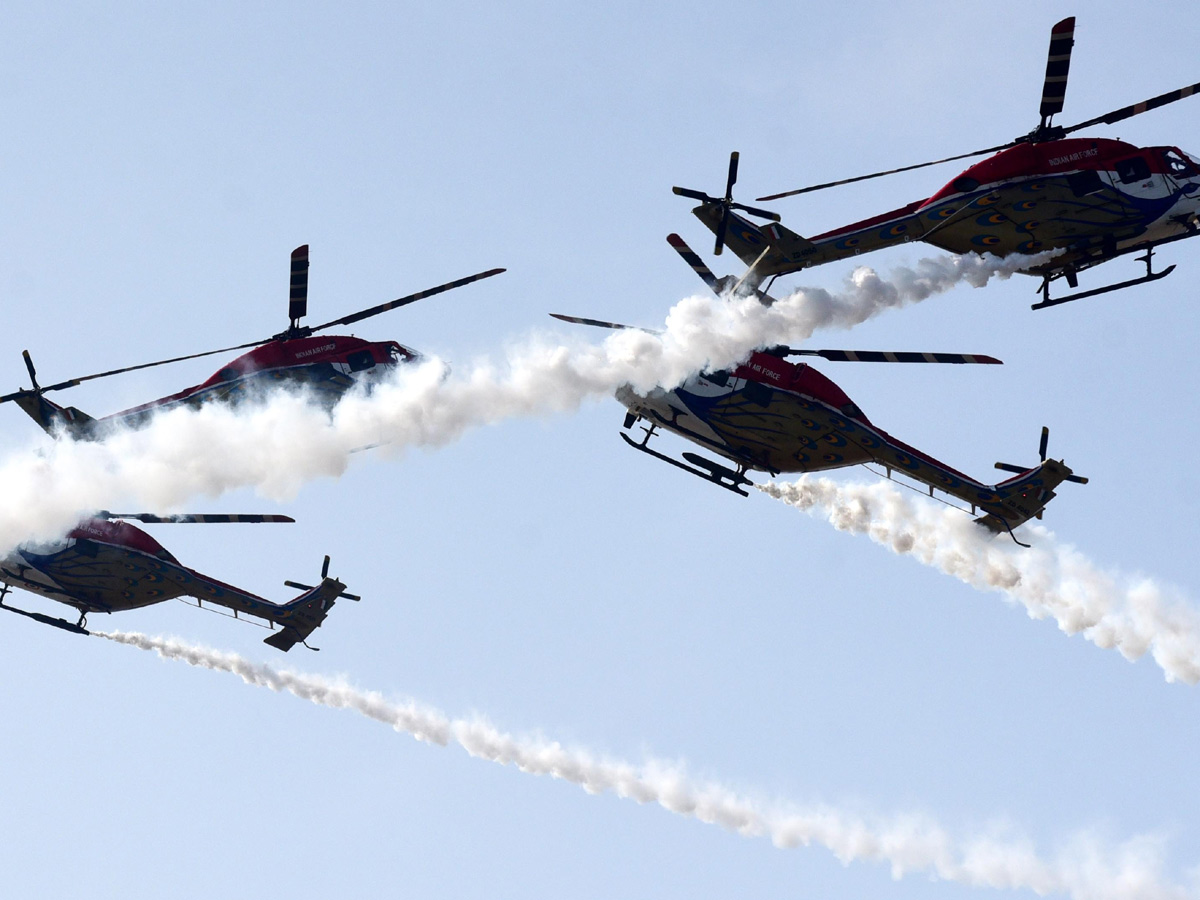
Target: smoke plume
[
  {"x": 1131, "y": 614},
  {"x": 1083, "y": 868},
  {"x": 278, "y": 444}
]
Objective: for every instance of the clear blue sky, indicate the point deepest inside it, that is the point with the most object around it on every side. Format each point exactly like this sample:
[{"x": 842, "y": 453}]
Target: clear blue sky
[{"x": 158, "y": 167}]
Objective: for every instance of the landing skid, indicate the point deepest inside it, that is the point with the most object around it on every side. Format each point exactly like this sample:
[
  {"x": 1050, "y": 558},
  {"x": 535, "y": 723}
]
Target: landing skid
[
  {"x": 49, "y": 620},
  {"x": 701, "y": 467},
  {"x": 1150, "y": 275}
]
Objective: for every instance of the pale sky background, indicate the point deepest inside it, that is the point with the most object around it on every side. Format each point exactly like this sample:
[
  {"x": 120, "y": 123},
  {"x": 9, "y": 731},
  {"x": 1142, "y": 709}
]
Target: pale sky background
[{"x": 159, "y": 163}]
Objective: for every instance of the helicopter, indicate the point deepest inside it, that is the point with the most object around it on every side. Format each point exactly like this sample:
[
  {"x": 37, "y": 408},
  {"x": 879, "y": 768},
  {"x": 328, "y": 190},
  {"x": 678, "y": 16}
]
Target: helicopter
[
  {"x": 327, "y": 366},
  {"x": 107, "y": 565},
  {"x": 771, "y": 415},
  {"x": 1083, "y": 200}
]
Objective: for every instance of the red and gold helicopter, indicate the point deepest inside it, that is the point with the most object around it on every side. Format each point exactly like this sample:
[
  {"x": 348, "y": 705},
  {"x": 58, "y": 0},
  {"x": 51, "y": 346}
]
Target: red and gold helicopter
[
  {"x": 328, "y": 366},
  {"x": 106, "y": 565},
  {"x": 1089, "y": 199},
  {"x": 771, "y": 415}
]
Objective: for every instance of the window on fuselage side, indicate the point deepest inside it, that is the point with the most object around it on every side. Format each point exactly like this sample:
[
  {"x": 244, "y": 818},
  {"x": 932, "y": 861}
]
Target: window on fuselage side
[
  {"x": 1084, "y": 183},
  {"x": 759, "y": 393},
  {"x": 1133, "y": 169},
  {"x": 360, "y": 360}
]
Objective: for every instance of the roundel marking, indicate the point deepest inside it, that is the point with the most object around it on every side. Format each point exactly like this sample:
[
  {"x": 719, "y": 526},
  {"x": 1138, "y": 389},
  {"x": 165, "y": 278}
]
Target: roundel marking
[
  {"x": 992, "y": 218},
  {"x": 905, "y": 460},
  {"x": 894, "y": 231},
  {"x": 832, "y": 457},
  {"x": 1025, "y": 204},
  {"x": 944, "y": 213},
  {"x": 848, "y": 243},
  {"x": 1032, "y": 186},
  {"x": 985, "y": 240},
  {"x": 836, "y": 440},
  {"x": 752, "y": 237},
  {"x": 1029, "y": 246},
  {"x": 987, "y": 200}
]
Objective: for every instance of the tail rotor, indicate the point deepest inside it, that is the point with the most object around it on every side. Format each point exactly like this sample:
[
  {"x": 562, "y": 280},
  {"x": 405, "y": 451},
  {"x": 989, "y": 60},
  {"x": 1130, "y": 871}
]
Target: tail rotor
[
  {"x": 1043, "y": 445},
  {"x": 324, "y": 574},
  {"x": 726, "y": 203}
]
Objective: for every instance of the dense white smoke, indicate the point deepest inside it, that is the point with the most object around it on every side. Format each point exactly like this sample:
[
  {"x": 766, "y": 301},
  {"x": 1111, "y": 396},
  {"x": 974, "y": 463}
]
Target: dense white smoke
[
  {"x": 1083, "y": 868},
  {"x": 278, "y": 445},
  {"x": 1132, "y": 615}
]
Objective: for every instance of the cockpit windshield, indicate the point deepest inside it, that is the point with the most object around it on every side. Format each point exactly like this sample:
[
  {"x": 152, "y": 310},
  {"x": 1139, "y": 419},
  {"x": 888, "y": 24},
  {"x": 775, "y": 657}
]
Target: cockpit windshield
[{"x": 1179, "y": 164}]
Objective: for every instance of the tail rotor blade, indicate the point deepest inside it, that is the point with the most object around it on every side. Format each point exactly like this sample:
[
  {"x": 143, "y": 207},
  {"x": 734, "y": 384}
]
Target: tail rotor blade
[
  {"x": 1009, "y": 467},
  {"x": 325, "y": 567},
  {"x": 1044, "y": 443},
  {"x": 755, "y": 211},
  {"x": 694, "y": 195},
  {"x": 721, "y": 229},
  {"x": 733, "y": 168}
]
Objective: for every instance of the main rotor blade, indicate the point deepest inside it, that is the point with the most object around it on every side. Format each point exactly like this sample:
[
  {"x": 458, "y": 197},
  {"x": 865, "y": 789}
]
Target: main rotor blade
[
  {"x": 72, "y": 382},
  {"x": 194, "y": 518},
  {"x": 1137, "y": 108},
  {"x": 898, "y": 356},
  {"x": 697, "y": 264},
  {"x": 1058, "y": 64},
  {"x": 298, "y": 293},
  {"x": 935, "y": 162},
  {"x": 404, "y": 301},
  {"x": 32, "y": 371},
  {"x": 597, "y": 323}
]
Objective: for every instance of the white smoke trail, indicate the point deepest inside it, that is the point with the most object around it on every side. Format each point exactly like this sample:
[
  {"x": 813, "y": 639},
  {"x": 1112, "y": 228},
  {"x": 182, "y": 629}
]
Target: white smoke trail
[
  {"x": 1131, "y": 614},
  {"x": 1083, "y": 868},
  {"x": 277, "y": 446}
]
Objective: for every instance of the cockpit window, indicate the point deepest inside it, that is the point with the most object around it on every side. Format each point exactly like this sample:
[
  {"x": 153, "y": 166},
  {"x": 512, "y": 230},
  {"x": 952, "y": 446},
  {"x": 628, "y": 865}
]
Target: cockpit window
[
  {"x": 1177, "y": 164},
  {"x": 1133, "y": 169},
  {"x": 360, "y": 360},
  {"x": 717, "y": 378}
]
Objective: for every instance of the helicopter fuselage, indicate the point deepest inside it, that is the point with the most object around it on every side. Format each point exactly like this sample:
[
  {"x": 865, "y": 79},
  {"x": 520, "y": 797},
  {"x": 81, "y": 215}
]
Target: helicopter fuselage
[
  {"x": 774, "y": 416},
  {"x": 1088, "y": 198},
  {"x": 323, "y": 366}
]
